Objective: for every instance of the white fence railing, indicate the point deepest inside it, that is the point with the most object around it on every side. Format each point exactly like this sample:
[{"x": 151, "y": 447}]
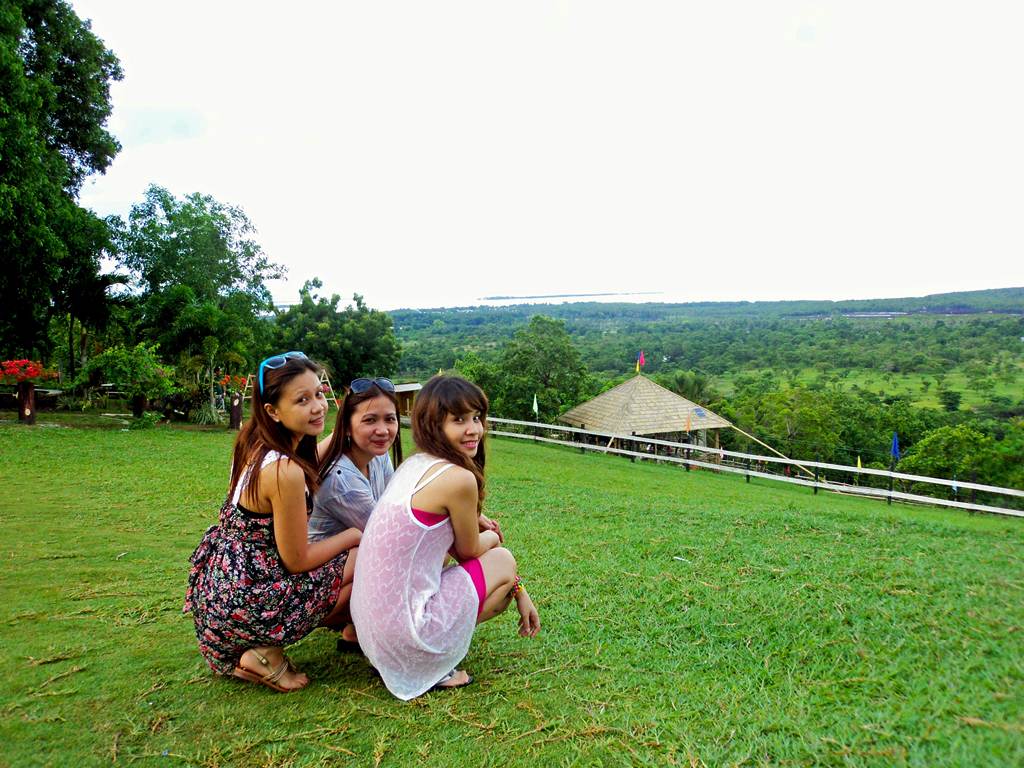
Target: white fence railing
[{"x": 722, "y": 460}]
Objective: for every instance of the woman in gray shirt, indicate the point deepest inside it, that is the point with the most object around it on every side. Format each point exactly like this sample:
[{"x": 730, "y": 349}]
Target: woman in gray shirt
[{"x": 356, "y": 466}]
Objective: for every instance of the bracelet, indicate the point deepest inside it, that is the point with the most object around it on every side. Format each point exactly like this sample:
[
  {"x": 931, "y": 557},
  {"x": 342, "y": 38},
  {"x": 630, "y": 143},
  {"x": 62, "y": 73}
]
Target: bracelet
[{"x": 517, "y": 587}]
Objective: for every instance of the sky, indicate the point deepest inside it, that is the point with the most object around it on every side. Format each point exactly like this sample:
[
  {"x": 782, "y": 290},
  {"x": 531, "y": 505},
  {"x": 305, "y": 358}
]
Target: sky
[{"x": 429, "y": 154}]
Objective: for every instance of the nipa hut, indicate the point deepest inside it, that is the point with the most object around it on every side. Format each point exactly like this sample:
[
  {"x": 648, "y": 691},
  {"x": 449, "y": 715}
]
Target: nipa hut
[{"x": 641, "y": 407}]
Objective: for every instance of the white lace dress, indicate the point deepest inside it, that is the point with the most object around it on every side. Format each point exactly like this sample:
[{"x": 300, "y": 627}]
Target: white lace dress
[{"x": 414, "y": 618}]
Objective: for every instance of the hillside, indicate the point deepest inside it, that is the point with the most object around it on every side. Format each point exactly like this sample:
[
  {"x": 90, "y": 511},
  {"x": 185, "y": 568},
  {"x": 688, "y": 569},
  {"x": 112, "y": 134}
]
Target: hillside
[{"x": 688, "y": 618}]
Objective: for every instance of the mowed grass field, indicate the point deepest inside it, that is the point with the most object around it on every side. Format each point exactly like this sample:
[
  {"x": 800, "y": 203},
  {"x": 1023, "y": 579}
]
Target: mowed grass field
[{"x": 688, "y": 619}]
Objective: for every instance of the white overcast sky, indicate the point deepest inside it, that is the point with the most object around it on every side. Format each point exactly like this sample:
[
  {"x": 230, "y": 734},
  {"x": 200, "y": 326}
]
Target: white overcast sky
[{"x": 431, "y": 153}]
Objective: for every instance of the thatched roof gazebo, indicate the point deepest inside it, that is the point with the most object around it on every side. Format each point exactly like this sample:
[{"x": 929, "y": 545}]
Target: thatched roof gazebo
[{"x": 638, "y": 406}]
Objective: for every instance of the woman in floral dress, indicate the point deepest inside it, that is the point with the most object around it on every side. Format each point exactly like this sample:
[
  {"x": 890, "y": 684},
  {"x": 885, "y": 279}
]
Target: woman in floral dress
[{"x": 257, "y": 583}]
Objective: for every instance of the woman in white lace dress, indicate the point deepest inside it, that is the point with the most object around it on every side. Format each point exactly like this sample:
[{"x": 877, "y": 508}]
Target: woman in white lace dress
[{"x": 415, "y": 617}]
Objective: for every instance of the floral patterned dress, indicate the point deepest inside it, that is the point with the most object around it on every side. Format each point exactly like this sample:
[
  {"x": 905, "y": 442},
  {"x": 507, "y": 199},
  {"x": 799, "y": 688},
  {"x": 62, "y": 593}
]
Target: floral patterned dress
[{"x": 241, "y": 595}]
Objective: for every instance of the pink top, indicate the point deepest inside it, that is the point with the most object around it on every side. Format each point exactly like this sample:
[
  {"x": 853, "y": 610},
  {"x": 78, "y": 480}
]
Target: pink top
[{"x": 414, "y": 618}]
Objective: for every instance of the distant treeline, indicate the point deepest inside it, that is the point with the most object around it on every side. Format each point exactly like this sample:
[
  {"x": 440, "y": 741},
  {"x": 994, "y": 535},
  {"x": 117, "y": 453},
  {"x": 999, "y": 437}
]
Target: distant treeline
[{"x": 936, "y": 333}]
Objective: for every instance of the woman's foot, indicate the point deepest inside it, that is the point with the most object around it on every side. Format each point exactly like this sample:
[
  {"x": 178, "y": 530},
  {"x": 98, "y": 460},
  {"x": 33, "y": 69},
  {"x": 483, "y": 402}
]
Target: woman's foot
[
  {"x": 348, "y": 634},
  {"x": 457, "y": 678},
  {"x": 270, "y": 667}
]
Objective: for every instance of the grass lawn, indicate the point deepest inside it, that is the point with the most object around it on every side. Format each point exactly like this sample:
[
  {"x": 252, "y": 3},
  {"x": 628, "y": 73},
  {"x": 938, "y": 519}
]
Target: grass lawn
[{"x": 688, "y": 619}]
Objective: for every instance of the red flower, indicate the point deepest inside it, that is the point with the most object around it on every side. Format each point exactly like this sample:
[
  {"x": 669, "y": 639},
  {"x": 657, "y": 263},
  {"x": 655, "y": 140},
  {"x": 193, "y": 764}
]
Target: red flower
[{"x": 17, "y": 371}]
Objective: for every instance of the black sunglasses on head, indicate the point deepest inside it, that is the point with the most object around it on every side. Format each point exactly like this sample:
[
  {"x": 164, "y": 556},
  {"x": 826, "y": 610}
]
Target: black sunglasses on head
[{"x": 358, "y": 386}]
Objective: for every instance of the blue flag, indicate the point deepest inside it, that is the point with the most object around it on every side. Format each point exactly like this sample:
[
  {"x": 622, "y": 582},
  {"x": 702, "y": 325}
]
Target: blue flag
[{"x": 895, "y": 451}]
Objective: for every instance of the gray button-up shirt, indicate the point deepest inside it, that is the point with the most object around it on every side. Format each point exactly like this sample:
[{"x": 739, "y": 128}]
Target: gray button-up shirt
[{"x": 346, "y": 497}]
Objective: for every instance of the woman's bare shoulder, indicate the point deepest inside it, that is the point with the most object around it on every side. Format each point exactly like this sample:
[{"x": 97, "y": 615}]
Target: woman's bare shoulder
[
  {"x": 284, "y": 472},
  {"x": 457, "y": 480}
]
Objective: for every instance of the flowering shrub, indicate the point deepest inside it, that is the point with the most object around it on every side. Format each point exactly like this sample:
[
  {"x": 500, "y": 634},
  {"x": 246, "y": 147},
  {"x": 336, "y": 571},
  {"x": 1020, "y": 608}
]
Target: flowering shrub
[
  {"x": 17, "y": 371},
  {"x": 233, "y": 383}
]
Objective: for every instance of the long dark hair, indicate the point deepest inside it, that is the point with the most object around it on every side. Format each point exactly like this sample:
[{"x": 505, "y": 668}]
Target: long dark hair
[
  {"x": 444, "y": 395},
  {"x": 340, "y": 438},
  {"x": 261, "y": 434}
]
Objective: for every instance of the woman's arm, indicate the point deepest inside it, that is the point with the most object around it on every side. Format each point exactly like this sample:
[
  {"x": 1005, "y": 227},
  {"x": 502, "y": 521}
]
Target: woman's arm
[
  {"x": 321, "y": 447},
  {"x": 460, "y": 498},
  {"x": 286, "y": 492}
]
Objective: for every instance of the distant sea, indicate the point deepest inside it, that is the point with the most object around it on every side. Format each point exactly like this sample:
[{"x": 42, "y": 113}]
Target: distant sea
[{"x": 569, "y": 298}]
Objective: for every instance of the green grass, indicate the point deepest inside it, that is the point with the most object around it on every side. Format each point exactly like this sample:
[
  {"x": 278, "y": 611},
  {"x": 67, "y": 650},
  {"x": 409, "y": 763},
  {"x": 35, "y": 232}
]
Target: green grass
[{"x": 688, "y": 619}]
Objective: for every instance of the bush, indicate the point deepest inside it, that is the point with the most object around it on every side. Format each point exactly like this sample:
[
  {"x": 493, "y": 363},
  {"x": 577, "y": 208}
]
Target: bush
[{"x": 147, "y": 420}]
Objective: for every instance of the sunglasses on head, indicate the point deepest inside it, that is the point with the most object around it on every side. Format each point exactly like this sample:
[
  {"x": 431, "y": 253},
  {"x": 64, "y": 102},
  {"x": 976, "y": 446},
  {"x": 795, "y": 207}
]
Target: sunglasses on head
[
  {"x": 358, "y": 386},
  {"x": 276, "y": 361}
]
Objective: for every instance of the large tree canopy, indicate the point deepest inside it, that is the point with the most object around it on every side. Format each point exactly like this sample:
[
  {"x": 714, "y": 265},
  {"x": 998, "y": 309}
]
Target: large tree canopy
[
  {"x": 540, "y": 361},
  {"x": 355, "y": 341},
  {"x": 55, "y": 77},
  {"x": 198, "y": 272}
]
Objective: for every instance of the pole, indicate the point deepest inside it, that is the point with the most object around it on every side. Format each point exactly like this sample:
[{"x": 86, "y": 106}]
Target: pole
[
  {"x": 759, "y": 442},
  {"x": 236, "y": 410},
  {"x": 26, "y": 402},
  {"x": 892, "y": 468}
]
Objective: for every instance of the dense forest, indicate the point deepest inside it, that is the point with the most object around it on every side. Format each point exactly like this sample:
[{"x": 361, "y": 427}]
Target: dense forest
[
  {"x": 929, "y": 335},
  {"x": 817, "y": 380}
]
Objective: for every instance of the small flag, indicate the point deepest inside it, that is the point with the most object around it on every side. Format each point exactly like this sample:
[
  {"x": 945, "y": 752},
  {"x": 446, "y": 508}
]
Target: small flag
[
  {"x": 642, "y": 361},
  {"x": 536, "y": 410},
  {"x": 639, "y": 361},
  {"x": 895, "y": 450},
  {"x": 856, "y": 478},
  {"x": 858, "y": 461}
]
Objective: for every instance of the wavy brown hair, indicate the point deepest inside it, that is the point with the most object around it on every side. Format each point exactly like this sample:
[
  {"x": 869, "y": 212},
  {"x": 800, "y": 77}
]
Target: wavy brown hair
[
  {"x": 444, "y": 395},
  {"x": 261, "y": 434},
  {"x": 343, "y": 425}
]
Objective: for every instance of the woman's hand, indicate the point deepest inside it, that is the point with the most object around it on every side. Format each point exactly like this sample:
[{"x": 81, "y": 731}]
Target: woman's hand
[
  {"x": 529, "y": 619},
  {"x": 488, "y": 524}
]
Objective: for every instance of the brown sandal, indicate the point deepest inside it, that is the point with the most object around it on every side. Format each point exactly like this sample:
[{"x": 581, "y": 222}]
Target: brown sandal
[{"x": 268, "y": 680}]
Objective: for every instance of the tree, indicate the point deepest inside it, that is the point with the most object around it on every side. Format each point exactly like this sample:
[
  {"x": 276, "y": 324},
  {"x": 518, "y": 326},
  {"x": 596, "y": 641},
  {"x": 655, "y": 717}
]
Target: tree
[
  {"x": 948, "y": 452},
  {"x": 540, "y": 360},
  {"x": 357, "y": 341},
  {"x": 950, "y": 399},
  {"x": 695, "y": 386},
  {"x": 55, "y": 80},
  {"x": 198, "y": 273},
  {"x": 135, "y": 370}
]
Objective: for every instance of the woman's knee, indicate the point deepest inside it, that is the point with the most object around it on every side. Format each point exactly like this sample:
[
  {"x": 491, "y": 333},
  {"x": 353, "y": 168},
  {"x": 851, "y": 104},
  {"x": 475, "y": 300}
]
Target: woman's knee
[
  {"x": 499, "y": 565},
  {"x": 502, "y": 556}
]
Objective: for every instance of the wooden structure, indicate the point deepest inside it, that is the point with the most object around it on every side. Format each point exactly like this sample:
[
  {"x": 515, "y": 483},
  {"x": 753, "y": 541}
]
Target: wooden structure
[
  {"x": 638, "y": 406},
  {"x": 406, "y": 393}
]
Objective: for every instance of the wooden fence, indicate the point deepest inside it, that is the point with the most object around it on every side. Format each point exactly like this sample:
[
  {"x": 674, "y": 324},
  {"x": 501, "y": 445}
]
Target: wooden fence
[{"x": 735, "y": 462}]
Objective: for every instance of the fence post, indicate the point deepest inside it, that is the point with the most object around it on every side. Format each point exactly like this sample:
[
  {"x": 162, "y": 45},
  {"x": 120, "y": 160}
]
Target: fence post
[
  {"x": 236, "y": 410},
  {"x": 632, "y": 446},
  {"x": 892, "y": 468},
  {"x": 583, "y": 438},
  {"x": 974, "y": 479},
  {"x": 816, "y": 458},
  {"x": 748, "y": 470},
  {"x": 26, "y": 402}
]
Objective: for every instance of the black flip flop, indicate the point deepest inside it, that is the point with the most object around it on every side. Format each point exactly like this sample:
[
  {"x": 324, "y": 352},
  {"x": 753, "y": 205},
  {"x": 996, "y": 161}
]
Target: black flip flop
[
  {"x": 348, "y": 646},
  {"x": 438, "y": 686}
]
